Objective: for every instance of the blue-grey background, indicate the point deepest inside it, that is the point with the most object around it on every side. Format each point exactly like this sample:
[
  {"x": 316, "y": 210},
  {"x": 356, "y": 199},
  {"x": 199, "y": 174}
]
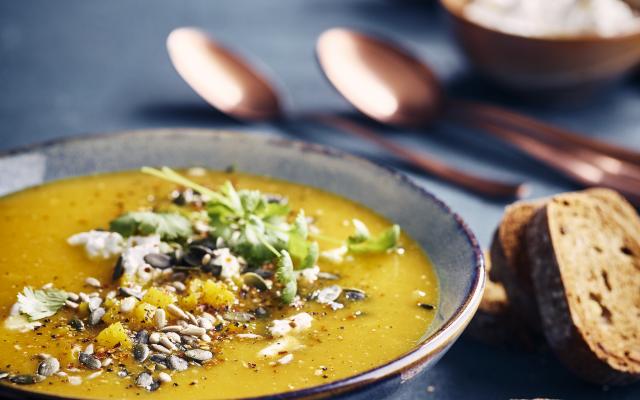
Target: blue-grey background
[{"x": 85, "y": 67}]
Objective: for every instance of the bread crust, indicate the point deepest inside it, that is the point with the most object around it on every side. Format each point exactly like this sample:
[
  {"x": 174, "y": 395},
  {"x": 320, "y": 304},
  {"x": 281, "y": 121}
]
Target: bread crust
[{"x": 562, "y": 312}]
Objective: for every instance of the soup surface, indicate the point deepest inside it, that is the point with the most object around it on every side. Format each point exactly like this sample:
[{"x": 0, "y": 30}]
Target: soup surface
[{"x": 317, "y": 337}]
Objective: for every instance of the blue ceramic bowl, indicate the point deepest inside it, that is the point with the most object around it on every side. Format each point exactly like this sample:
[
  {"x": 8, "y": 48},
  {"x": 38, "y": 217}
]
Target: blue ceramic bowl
[{"x": 444, "y": 236}]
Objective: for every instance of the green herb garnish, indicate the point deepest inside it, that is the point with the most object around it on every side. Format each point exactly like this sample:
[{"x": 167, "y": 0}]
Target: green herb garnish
[
  {"x": 286, "y": 277},
  {"x": 40, "y": 303},
  {"x": 170, "y": 226},
  {"x": 362, "y": 242}
]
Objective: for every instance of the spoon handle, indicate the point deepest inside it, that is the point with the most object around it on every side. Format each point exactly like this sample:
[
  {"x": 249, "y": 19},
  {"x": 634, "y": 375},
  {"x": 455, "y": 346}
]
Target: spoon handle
[
  {"x": 566, "y": 163},
  {"x": 550, "y": 133},
  {"x": 473, "y": 183}
]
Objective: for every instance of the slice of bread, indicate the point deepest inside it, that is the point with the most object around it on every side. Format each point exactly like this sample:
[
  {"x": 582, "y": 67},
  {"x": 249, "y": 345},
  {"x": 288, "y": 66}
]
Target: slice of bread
[
  {"x": 511, "y": 261},
  {"x": 584, "y": 254},
  {"x": 494, "y": 322}
]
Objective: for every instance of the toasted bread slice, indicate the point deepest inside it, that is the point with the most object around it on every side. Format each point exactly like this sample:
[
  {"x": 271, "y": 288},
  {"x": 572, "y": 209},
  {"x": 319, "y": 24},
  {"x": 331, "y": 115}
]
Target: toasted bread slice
[
  {"x": 511, "y": 262},
  {"x": 494, "y": 322},
  {"x": 584, "y": 254}
]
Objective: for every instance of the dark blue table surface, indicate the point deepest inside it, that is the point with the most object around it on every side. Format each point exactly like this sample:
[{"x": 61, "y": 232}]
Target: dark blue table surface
[{"x": 80, "y": 67}]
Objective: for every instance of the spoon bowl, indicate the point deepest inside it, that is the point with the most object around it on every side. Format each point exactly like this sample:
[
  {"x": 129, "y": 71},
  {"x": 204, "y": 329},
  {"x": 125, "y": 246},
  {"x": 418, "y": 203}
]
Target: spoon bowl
[
  {"x": 376, "y": 74},
  {"x": 221, "y": 77}
]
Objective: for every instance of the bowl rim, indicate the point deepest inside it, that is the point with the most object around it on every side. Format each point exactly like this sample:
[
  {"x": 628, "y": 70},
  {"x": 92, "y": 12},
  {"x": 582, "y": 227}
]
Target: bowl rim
[
  {"x": 404, "y": 366},
  {"x": 456, "y": 13}
]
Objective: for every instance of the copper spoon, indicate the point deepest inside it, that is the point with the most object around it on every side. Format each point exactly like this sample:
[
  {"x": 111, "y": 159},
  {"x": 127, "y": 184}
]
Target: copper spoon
[
  {"x": 391, "y": 86},
  {"x": 231, "y": 85}
]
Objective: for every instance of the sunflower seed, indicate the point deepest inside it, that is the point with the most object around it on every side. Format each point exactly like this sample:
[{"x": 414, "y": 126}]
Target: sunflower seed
[
  {"x": 193, "y": 331},
  {"x": 177, "y": 311},
  {"x": 96, "y": 316},
  {"x": 124, "y": 291},
  {"x": 89, "y": 361},
  {"x": 204, "y": 323},
  {"x": 154, "y": 338},
  {"x": 91, "y": 281},
  {"x": 26, "y": 379},
  {"x": 3, "y": 374},
  {"x": 73, "y": 297},
  {"x": 140, "y": 352},
  {"x": 144, "y": 380},
  {"x": 168, "y": 343},
  {"x": 174, "y": 337},
  {"x": 48, "y": 366},
  {"x": 160, "y": 318},
  {"x": 160, "y": 348},
  {"x": 107, "y": 361},
  {"x": 164, "y": 377},
  {"x": 205, "y": 338},
  {"x": 238, "y": 316},
  {"x": 171, "y": 328},
  {"x": 328, "y": 276},
  {"x": 177, "y": 363},
  {"x": 427, "y": 306},
  {"x": 158, "y": 260},
  {"x": 180, "y": 287},
  {"x": 89, "y": 349},
  {"x": 199, "y": 355},
  {"x": 71, "y": 304}
]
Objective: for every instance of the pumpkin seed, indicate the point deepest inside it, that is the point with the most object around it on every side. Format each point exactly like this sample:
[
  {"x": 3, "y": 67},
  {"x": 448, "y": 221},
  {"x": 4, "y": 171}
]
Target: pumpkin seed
[
  {"x": 198, "y": 354},
  {"x": 89, "y": 361},
  {"x": 327, "y": 295},
  {"x": 48, "y": 366},
  {"x": 154, "y": 386},
  {"x": 144, "y": 380},
  {"x": 118, "y": 269},
  {"x": 26, "y": 379},
  {"x": 142, "y": 337},
  {"x": 140, "y": 352},
  {"x": 76, "y": 324},
  {"x": 158, "y": 260},
  {"x": 176, "y": 363},
  {"x": 252, "y": 279},
  {"x": 194, "y": 255},
  {"x": 354, "y": 294}
]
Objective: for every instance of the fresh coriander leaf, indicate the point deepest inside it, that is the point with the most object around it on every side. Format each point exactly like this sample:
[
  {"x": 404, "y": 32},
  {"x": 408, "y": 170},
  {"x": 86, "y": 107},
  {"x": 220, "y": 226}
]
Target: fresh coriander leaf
[
  {"x": 303, "y": 251},
  {"x": 378, "y": 244},
  {"x": 286, "y": 277},
  {"x": 313, "y": 252},
  {"x": 40, "y": 303},
  {"x": 170, "y": 226}
]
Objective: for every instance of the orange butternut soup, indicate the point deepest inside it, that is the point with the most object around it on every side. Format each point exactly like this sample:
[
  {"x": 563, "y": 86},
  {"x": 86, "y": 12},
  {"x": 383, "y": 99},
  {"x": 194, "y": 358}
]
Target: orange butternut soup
[{"x": 147, "y": 284}]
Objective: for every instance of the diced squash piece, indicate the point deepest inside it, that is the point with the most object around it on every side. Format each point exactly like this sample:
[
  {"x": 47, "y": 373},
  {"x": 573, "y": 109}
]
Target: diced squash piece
[
  {"x": 83, "y": 309},
  {"x": 195, "y": 285},
  {"x": 142, "y": 315},
  {"x": 216, "y": 294},
  {"x": 158, "y": 297},
  {"x": 114, "y": 335},
  {"x": 189, "y": 302},
  {"x": 112, "y": 315},
  {"x": 110, "y": 302}
]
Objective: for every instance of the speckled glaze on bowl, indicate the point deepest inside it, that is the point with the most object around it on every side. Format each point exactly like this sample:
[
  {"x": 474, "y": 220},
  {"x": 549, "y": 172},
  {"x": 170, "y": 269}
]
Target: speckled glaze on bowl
[{"x": 444, "y": 236}]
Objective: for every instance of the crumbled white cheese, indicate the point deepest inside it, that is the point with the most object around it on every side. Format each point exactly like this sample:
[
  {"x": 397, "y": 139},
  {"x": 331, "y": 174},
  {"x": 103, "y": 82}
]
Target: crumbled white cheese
[
  {"x": 20, "y": 323},
  {"x": 336, "y": 255},
  {"x": 75, "y": 380},
  {"x": 308, "y": 275},
  {"x": 229, "y": 263},
  {"x": 98, "y": 244},
  {"x": 287, "y": 344},
  {"x": 286, "y": 359},
  {"x": 537, "y": 18},
  {"x": 294, "y": 324},
  {"x": 133, "y": 256}
]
